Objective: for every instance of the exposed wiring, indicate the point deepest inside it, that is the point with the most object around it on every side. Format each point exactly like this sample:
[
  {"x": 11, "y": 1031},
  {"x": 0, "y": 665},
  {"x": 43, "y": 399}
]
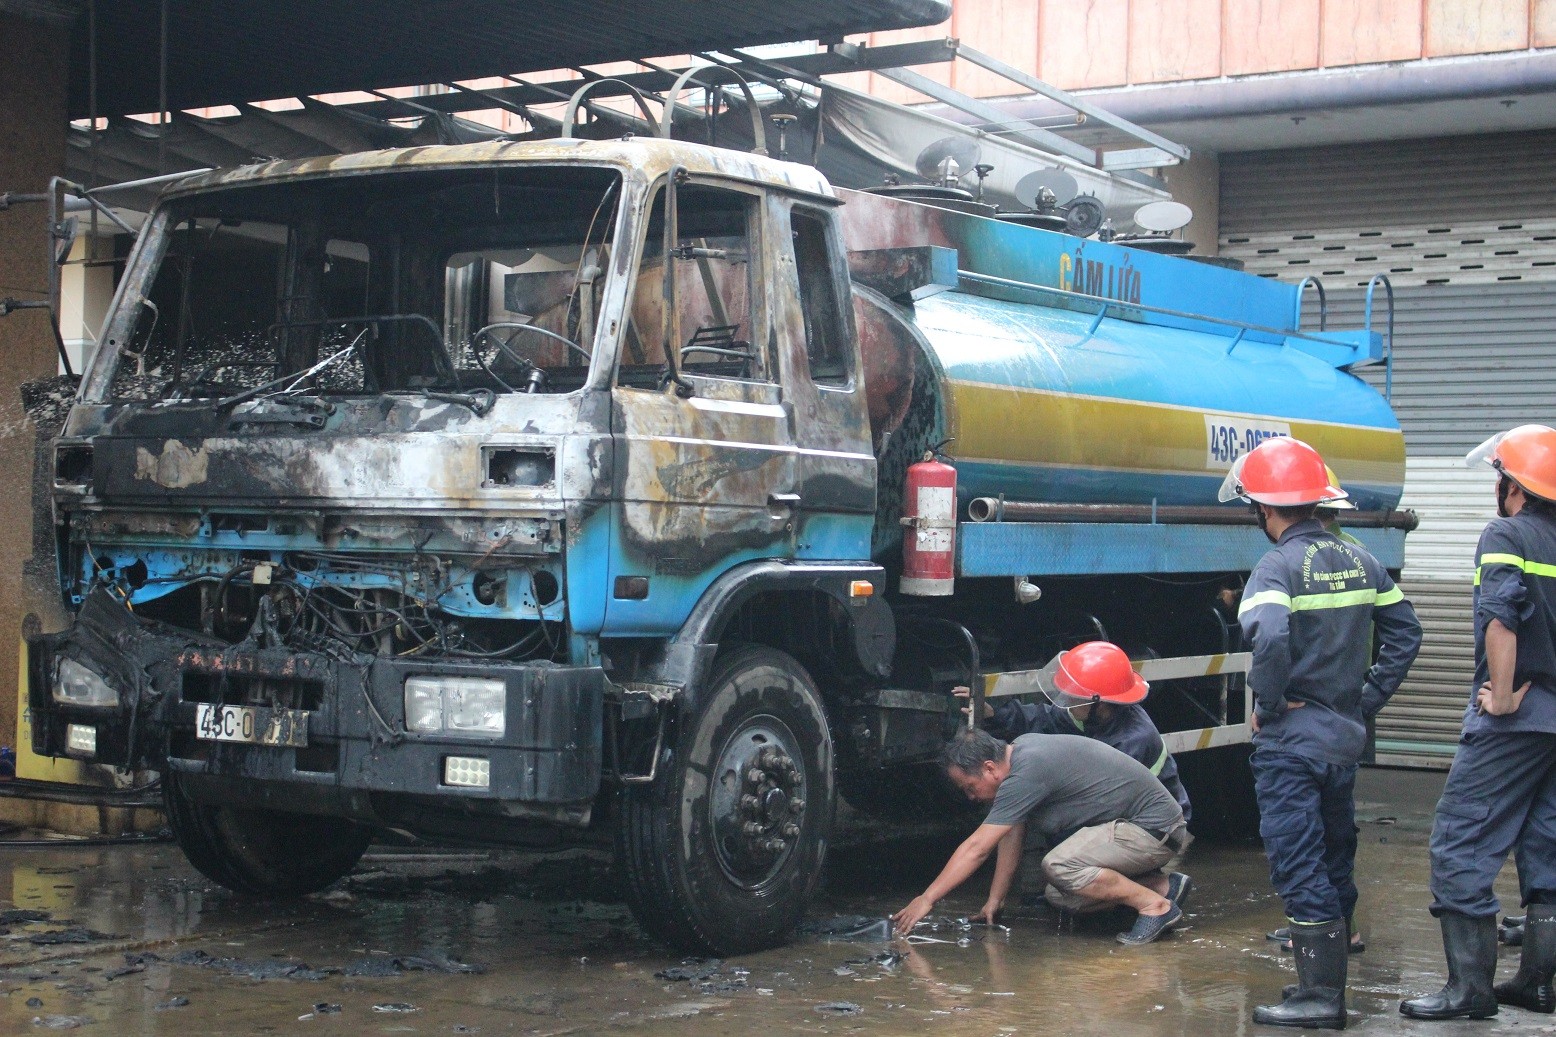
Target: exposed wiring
[{"x": 317, "y": 607}]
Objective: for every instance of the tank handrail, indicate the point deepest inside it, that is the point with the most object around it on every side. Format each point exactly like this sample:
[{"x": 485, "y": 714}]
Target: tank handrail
[
  {"x": 758, "y": 132},
  {"x": 1388, "y": 335},
  {"x": 577, "y": 99},
  {"x": 1323, "y": 302},
  {"x": 1285, "y": 333}
]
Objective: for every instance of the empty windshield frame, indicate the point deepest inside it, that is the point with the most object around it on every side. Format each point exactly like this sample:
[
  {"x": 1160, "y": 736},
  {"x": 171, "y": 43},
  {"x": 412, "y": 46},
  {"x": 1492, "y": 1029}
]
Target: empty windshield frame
[{"x": 399, "y": 271}]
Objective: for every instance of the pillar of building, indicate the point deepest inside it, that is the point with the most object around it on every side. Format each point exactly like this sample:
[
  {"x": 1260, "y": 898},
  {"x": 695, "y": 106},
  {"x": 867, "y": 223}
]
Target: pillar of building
[
  {"x": 34, "y": 120},
  {"x": 1197, "y": 184}
]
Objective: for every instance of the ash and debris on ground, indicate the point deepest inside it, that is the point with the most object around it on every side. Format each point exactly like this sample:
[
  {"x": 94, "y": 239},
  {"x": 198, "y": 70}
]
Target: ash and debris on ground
[
  {"x": 18, "y": 923},
  {"x": 839, "y": 1008},
  {"x": 61, "y": 1022},
  {"x": 367, "y": 967},
  {"x": 708, "y": 975}
]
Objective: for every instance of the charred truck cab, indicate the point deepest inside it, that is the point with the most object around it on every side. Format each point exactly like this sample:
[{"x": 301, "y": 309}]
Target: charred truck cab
[
  {"x": 518, "y": 493},
  {"x": 387, "y": 506}
]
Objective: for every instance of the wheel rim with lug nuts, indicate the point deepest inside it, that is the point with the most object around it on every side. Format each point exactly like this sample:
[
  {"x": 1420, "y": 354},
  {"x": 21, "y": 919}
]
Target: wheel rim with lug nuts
[{"x": 758, "y": 803}]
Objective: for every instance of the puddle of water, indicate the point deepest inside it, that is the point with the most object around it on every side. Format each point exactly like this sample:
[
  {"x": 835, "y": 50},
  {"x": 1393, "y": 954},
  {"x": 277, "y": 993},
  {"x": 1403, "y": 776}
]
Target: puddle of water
[{"x": 557, "y": 964}]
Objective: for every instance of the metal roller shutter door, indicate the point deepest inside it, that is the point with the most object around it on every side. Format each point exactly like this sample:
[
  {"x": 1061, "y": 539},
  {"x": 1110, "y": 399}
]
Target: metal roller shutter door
[
  {"x": 1488, "y": 178},
  {"x": 1474, "y": 268},
  {"x": 1469, "y": 361}
]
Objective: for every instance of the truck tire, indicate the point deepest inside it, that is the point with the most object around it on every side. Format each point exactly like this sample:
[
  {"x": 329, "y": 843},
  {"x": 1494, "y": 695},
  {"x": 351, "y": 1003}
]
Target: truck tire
[
  {"x": 724, "y": 850},
  {"x": 262, "y": 853}
]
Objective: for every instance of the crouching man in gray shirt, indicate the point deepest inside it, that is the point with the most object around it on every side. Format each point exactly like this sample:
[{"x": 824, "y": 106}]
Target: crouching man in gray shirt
[{"x": 1110, "y": 824}]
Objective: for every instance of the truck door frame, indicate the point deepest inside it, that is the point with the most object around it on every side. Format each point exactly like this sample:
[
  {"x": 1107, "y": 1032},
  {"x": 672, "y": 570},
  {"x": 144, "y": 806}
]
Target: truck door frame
[
  {"x": 835, "y": 482},
  {"x": 701, "y": 481}
]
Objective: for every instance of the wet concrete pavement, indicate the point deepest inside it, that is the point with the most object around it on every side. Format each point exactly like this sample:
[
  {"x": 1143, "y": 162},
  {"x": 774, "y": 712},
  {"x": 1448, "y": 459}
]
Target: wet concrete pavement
[{"x": 388, "y": 950}]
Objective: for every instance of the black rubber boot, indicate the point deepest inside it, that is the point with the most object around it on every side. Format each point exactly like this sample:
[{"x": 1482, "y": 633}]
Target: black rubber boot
[
  {"x": 1470, "y": 944},
  {"x": 1318, "y": 1002},
  {"x": 1531, "y": 988},
  {"x": 1351, "y": 948}
]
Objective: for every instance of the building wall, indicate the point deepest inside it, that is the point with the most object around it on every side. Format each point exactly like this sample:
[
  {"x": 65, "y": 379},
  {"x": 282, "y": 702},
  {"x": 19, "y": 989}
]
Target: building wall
[
  {"x": 32, "y": 150},
  {"x": 86, "y": 287},
  {"x": 1111, "y": 43},
  {"x": 1197, "y": 184}
]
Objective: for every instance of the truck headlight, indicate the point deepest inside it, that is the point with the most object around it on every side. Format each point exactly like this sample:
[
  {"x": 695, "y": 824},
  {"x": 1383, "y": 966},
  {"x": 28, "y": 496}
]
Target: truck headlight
[
  {"x": 75, "y": 685},
  {"x": 455, "y": 705},
  {"x": 423, "y": 705}
]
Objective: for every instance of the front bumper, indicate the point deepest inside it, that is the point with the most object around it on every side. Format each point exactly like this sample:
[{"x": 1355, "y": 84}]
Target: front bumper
[{"x": 358, "y": 749}]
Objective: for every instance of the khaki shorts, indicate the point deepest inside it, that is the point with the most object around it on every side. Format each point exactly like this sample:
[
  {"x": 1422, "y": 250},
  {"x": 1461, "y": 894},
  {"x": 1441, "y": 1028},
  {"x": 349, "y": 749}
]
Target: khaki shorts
[{"x": 1120, "y": 846}]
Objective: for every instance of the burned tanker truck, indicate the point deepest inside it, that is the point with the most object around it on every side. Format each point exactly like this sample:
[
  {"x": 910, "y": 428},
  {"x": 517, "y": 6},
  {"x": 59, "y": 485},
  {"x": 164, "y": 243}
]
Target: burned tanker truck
[{"x": 523, "y": 493}]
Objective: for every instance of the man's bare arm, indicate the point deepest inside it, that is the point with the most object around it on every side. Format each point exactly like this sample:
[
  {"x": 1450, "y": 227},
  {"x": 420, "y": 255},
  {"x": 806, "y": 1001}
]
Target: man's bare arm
[
  {"x": 1005, "y": 865},
  {"x": 1497, "y": 696},
  {"x": 968, "y": 858}
]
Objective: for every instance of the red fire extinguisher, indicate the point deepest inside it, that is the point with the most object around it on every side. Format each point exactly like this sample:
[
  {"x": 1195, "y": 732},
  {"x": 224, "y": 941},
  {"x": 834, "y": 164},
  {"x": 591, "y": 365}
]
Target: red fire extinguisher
[{"x": 929, "y": 543}]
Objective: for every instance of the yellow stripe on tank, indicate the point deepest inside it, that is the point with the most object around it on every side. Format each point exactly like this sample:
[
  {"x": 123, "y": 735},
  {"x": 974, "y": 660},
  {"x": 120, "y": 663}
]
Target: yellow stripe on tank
[{"x": 1042, "y": 427}]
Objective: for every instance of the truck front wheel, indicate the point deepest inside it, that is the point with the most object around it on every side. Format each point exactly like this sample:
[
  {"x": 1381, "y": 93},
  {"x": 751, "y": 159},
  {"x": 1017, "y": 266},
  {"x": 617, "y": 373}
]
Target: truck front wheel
[
  {"x": 723, "y": 851},
  {"x": 263, "y": 853}
]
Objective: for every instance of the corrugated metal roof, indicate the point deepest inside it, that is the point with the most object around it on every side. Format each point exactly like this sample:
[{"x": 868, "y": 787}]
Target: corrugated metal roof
[
  {"x": 231, "y": 51},
  {"x": 130, "y": 150}
]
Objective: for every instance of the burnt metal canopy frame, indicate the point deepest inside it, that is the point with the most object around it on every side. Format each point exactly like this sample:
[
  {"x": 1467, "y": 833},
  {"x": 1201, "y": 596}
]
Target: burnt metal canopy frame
[{"x": 230, "y": 51}]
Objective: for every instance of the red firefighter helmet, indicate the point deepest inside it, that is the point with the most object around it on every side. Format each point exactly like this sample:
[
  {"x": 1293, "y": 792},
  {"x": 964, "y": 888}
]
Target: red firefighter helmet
[
  {"x": 1099, "y": 670},
  {"x": 1526, "y": 455},
  {"x": 1282, "y": 472}
]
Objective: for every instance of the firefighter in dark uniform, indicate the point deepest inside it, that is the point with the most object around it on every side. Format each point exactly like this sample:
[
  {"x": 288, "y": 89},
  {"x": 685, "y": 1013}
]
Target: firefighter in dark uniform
[
  {"x": 1309, "y": 613},
  {"x": 1329, "y": 517},
  {"x": 1501, "y": 791},
  {"x": 1113, "y": 715}
]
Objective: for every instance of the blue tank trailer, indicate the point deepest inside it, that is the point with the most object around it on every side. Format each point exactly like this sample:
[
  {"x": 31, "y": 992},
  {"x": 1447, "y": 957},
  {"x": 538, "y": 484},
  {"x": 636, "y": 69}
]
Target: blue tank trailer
[{"x": 387, "y": 508}]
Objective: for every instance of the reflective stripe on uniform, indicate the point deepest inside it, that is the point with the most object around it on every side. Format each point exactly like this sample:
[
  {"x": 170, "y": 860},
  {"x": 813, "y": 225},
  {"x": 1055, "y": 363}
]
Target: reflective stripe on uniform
[
  {"x": 1161, "y": 761},
  {"x": 1532, "y": 568},
  {"x": 1264, "y": 598},
  {"x": 1334, "y": 600},
  {"x": 1326, "y": 600}
]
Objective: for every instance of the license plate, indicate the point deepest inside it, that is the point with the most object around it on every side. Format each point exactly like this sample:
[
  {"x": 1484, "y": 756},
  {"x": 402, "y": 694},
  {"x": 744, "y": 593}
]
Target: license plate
[{"x": 251, "y": 724}]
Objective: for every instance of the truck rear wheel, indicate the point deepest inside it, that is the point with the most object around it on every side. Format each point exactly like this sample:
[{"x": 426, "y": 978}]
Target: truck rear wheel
[
  {"x": 723, "y": 851},
  {"x": 264, "y": 853}
]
